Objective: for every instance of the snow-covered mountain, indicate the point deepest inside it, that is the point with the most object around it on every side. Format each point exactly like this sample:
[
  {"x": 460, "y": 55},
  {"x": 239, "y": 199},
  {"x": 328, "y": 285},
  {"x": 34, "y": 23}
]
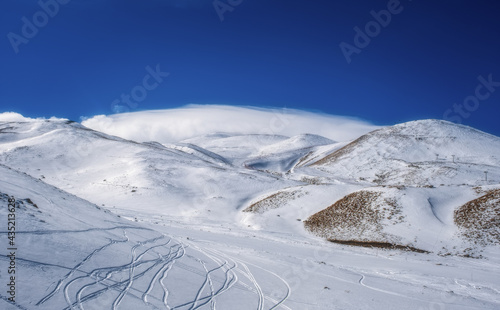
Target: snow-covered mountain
[
  {"x": 269, "y": 220},
  {"x": 176, "y": 178},
  {"x": 428, "y": 152},
  {"x": 72, "y": 254}
]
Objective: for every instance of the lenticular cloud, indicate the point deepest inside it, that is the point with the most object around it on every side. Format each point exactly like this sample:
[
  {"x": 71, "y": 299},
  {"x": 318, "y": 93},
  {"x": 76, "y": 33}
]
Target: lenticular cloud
[{"x": 195, "y": 120}]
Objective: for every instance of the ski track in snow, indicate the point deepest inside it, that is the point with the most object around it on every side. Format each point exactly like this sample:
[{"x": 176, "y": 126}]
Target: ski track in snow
[
  {"x": 363, "y": 277},
  {"x": 177, "y": 255},
  {"x": 230, "y": 267},
  {"x": 125, "y": 285},
  {"x": 250, "y": 276},
  {"x": 130, "y": 269},
  {"x": 284, "y": 282},
  {"x": 208, "y": 280},
  {"x": 150, "y": 270},
  {"x": 115, "y": 285},
  {"x": 133, "y": 263},
  {"x": 77, "y": 267},
  {"x": 103, "y": 278},
  {"x": 156, "y": 275},
  {"x": 255, "y": 287},
  {"x": 230, "y": 279}
]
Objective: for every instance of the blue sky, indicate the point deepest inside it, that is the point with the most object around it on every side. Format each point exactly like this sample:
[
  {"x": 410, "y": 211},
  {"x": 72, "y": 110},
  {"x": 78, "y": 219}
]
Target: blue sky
[{"x": 429, "y": 59}]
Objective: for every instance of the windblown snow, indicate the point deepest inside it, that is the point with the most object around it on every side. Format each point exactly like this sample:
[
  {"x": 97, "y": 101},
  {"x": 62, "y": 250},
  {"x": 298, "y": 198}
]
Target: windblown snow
[{"x": 270, "y": 210}]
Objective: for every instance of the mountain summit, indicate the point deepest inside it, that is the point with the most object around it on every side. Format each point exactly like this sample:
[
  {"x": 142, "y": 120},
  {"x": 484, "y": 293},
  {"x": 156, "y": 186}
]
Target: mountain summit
[{"x": 225, "y": 217}]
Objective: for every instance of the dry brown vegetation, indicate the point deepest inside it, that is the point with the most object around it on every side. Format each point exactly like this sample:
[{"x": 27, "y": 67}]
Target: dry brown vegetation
[
  {"x": 358, "y": 219},
  {"x": 382, "y": 245},
  {"x": 341, "y": 152},
  {"x": 479, "y": 219},
  {"x": 304, "y": 159},
  {"x": 359, "y": 216},
  {"x": 274, "y": 201}
]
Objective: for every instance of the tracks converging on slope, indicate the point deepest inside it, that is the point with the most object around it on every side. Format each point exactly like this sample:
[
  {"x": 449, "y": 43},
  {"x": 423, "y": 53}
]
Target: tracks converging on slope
[{"x": 146, "y": 273}]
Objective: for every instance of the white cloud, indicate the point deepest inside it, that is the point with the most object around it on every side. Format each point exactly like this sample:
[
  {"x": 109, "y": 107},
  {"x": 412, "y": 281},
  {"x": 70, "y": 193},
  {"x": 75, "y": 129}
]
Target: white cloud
[
  {"x": 195, "y": 120},
  {"x": 13, "y": 117},
  {"x": 16, "y": 117}
]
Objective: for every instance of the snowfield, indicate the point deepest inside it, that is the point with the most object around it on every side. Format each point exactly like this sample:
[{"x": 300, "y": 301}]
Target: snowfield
[{"x": 401, "y": 217}]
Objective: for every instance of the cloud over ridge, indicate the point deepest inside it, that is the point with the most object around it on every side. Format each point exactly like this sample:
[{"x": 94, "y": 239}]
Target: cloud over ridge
[
  {"x": 16, "y": 117},
  {"x": 171, "y": 125}
]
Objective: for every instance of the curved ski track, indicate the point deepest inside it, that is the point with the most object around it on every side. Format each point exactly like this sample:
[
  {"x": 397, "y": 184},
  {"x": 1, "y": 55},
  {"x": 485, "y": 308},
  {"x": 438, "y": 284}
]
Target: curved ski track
[{"x": 151, "y": 261}]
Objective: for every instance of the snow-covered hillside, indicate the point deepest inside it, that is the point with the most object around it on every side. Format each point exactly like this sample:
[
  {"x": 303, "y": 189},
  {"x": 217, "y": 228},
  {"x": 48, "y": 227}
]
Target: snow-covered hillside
[
  {"x": 72, "y": 254},
  {"x": 173, "y": 178},
  {"x": 428, "y": 152},
  {"x": 234, "y": 220}
]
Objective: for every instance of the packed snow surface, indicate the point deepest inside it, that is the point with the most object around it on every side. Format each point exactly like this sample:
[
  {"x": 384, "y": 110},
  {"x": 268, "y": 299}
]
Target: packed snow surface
[{"x": 232, "y": 219}]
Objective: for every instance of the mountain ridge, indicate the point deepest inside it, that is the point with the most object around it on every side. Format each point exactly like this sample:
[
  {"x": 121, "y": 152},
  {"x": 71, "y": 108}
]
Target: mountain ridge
[{"x": 240, "y": 211}]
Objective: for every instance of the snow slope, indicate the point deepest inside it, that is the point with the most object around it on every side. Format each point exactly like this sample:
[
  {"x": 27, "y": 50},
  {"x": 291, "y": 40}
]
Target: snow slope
[
  {"x": 428, "y": 152},
  {"x": 220, "y": 221},
  {"x": 73, "y": 254},
  {"x": 179, "y": 178}
]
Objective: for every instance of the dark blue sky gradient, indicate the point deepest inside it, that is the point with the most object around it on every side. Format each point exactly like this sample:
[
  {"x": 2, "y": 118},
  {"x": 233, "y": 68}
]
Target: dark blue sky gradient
[{"x": 279, "y": 53}]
